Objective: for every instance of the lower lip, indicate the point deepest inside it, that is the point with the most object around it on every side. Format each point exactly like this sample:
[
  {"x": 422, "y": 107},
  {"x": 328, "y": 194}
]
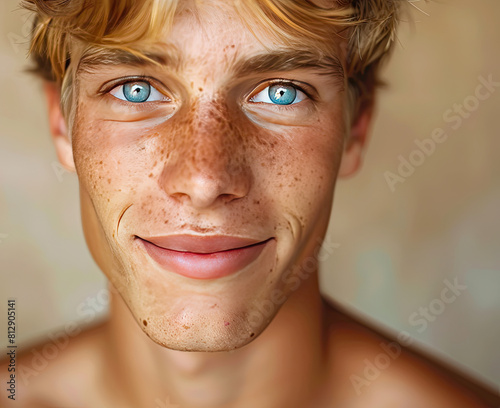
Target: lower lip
[{"x": 204, "y": 266}]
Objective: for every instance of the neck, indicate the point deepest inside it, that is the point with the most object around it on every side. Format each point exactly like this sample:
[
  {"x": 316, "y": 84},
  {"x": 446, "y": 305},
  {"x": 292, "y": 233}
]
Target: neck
[{"x": 290, "y": 351}]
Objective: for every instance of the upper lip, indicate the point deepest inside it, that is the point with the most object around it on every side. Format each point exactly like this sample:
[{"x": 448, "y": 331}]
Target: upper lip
[{"x": 201, "y": 244}]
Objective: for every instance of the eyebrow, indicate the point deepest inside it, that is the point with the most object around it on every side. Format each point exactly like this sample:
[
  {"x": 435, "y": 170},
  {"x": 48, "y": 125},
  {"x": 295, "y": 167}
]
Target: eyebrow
[
  {"x": 93, "y": 60},
  {"x": 290, "y": 60},
  {"x": 276, "y": 60}
]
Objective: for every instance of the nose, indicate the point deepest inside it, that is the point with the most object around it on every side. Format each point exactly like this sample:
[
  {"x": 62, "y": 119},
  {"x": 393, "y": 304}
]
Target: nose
[{"x": 207, "y": 164}]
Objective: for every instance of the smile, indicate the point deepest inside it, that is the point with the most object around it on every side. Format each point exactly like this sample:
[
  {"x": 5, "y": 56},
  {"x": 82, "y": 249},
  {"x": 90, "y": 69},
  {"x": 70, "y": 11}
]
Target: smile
[{"x": 203, "y": 257}]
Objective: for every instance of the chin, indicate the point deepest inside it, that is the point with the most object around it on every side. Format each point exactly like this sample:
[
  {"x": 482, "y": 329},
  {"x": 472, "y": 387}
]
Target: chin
[
  {"x": 208, "y": 330},
  {"x": 203, "y": 315}
]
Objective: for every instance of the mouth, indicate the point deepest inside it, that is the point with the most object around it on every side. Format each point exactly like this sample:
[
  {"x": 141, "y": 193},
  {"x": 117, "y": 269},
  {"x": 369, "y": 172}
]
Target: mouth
[{"x": 203, "y": 257}]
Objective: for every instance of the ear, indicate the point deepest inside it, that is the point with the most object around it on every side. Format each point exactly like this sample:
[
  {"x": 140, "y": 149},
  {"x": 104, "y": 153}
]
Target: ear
[
  {"x": 58, "y": 127},
  {"x": 356, "y": 144}
]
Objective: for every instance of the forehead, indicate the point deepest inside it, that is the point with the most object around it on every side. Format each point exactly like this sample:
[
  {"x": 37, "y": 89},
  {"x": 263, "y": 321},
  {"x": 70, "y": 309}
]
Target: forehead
[
  {"x": 216, "y": 38},
  {"x": 212, "y": 35},
  {"x": 248, "y": 22}
]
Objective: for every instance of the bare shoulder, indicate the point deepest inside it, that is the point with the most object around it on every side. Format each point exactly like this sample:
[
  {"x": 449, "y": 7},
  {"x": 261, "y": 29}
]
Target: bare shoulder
[
  {"x": 57, "y": 371},
  {"x": 372, "y": 368}
]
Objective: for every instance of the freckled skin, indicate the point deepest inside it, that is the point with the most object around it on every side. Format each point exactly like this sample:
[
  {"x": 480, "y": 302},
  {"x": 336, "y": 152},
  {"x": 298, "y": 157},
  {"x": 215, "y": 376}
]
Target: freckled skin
[
  {"x": 213, "y": 167},
  {"x": 209, "y": 161}
]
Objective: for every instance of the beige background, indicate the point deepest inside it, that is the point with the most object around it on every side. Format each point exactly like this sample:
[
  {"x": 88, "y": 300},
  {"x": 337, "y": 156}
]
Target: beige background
[{"x": 395, "y": 248}]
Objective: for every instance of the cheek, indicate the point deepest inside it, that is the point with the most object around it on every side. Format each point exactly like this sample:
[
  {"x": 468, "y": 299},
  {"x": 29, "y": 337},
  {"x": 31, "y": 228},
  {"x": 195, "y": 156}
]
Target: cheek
[
  {"x": 101, "y": 177},
  {"x": 108, "y": 158},
  {"x": 302, "y": 167}
]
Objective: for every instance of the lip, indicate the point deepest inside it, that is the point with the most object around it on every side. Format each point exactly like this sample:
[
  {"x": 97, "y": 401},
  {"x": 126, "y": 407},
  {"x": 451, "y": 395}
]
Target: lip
[{"x": 203, "y": 257}]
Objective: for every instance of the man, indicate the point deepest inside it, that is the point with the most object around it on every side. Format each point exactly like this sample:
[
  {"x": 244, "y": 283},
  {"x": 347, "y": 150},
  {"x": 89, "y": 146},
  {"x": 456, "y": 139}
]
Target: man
[{"x": 207, "y": 138}]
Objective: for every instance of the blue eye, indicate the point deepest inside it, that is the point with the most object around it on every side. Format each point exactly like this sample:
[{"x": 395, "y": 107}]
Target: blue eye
[
  {"x": 280, "y": 94},
  {"x": 138, "y": 92}
]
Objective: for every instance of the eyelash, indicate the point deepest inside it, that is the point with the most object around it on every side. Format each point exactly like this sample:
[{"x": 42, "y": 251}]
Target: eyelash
[
  {"x": 284, "y": 82},
  {"x": 150, "y": 81},
  {"x": 124, "y": 81}
]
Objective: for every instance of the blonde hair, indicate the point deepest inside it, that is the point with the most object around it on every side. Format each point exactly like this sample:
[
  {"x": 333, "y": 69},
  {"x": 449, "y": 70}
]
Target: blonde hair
[{"x": 66, "y": 30}]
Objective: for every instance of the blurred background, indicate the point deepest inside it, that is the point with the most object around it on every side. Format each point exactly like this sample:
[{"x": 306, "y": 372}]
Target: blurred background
[{"x": 410, "y": 223}]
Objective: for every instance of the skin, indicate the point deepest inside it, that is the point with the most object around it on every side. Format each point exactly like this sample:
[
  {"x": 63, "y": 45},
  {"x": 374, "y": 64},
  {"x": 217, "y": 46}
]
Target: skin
[
  {"x": 211, "y": 161},
  {"x": 207, "y": 161}
]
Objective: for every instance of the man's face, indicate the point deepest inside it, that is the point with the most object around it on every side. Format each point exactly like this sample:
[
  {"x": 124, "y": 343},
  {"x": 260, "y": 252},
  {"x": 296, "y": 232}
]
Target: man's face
[{"x": 207, "y": 146}]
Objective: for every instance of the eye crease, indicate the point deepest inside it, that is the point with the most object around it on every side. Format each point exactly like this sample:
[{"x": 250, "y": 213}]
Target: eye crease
[
  {"x": 280, "y": 94},
  {"x": 138, "y": 92}
]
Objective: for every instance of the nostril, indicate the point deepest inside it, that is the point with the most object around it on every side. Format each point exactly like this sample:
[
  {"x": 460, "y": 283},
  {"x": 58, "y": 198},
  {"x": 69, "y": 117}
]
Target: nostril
[
  {"x": 226, "y": 198},
  {"x": 178, "y": 196}
]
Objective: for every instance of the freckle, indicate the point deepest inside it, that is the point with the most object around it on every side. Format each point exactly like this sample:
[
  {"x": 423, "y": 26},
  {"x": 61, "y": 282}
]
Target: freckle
[
  {"x": 100, "y": 162},
  {"x": 232, "y": 45},
  {"x": 166, "y": 222},
  {"x": 150, "y": 175},
  {"x": 200, "y": 89},
  {"x": 185, "y": 326},
  {"x": 192, "y": 84},
  {"x": 109, "y": 181}
]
